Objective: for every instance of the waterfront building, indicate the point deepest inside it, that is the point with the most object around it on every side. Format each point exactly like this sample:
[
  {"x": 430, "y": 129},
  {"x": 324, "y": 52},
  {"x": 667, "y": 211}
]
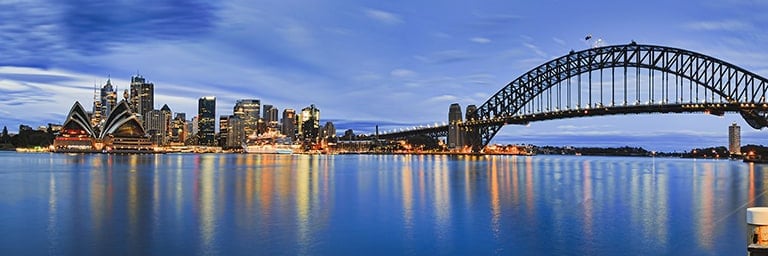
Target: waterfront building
[
  {"x": 469, "y": 135},
  {"x": 455, "y": 138},
  {"x": 206, "y": 123},
  {"x": 309, "y": 124},
  {"x": 167, "y": 117},
  {"x": 271, "y": 118},
  {"x": 329, "y": 130},
  {"x": 248, "y": 110},
  {"x": 734, "y": 139},
  {"x": 179, "y": 129},
  {"x": 288, "y": 127},
  {"x": 223, "y": 130},
  {"x": 194, "y": 126},
  {"x": 121, "y": 131},
  {"x": 155, "y": 126},
  {"x": 236, "y": 132},
  {"x": 142, "y": 95}
]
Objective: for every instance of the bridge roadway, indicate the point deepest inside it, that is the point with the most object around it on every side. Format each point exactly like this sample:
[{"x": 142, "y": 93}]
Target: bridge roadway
[{"x": 717, "y": 109}]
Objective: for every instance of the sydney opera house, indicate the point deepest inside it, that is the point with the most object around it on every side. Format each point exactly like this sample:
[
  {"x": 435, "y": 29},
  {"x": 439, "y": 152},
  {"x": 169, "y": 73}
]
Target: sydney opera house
[{"x": 120, "y": 132}]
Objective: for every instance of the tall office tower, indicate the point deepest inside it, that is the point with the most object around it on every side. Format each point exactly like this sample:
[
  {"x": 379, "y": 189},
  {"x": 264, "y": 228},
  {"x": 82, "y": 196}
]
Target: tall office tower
[
  {"x": 206, "y": 122},
  {"x": 309, "y": 123},
  {"x": 471, "y": 135},
  {"x": 329, "y": 130},
  {"x": 289, "y": 123},
  {"x": 155, "y": 126},
  {"x": 142, "y": 95},
  {"x": 179, "y": 128},
  {"x": 248, "y": 111},
  {"x": 194, "y": 126},
  {"x": 223, "y": 130},
  {"x": 455, "y": 139},
  {"x": 108, "y": 97},
  {"x": 236, "y": 133},
  {"x": 272, "y": 120},
  {"x": 734, "y": 139},
  {"x": 266, "y": 117},
  {"x": 167, "y": 117},
  {"x": 96, "y": 112}
]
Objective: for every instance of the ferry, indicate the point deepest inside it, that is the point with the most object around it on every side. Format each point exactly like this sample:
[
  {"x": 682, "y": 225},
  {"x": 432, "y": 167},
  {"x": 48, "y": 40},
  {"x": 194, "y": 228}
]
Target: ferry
[{"x": 268, "y": 143}]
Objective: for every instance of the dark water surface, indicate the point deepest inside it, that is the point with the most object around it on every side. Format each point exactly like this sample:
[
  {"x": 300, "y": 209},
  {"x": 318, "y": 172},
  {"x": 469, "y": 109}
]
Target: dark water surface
[{"x": 233, "y": 204}]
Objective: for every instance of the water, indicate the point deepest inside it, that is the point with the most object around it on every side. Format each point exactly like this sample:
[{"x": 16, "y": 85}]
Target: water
[{"x": 373, "y": 205}]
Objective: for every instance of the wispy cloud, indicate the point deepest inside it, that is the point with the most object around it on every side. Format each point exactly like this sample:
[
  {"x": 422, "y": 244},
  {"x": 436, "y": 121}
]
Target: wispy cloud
[
  {"x": 448, "y": 56},
  {"x": 722, "y": 25},
  {"x": 402, "y": 73},
  {"x": 480, "y": 40},
  {"x": 383, "y": 16}
]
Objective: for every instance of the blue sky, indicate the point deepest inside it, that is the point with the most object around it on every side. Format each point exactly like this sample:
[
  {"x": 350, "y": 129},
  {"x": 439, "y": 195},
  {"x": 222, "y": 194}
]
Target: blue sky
[{"x": 395, "y": 63}]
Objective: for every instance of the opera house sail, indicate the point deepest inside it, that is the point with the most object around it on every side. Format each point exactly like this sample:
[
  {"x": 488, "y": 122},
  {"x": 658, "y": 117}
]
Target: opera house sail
[{"x": 122, "y": 132}]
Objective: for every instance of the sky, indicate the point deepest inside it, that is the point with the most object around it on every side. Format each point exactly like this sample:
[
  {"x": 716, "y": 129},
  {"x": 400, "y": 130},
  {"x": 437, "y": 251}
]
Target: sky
[{"x": 362, "y": 63}]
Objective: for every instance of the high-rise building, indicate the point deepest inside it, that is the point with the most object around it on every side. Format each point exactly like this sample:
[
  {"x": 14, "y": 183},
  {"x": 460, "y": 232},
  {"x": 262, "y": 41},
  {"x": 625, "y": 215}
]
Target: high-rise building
[
  {"x": 272, "y": 121},
  {"x": 206, "y": 109},
  {"x": 289, "y": 123},
  {"x": 167, "y": 118},
  {"x": 329, "y": 130},
  {"x": 223, "y": 130},
  {"x": 194, "y": 126},
  {"x": 266, "y": 117},
  {"x": 235, "y": 134},
  {"x": 96, "y": 112},
  {"x": 179, "y": 129},
  {"x": 734, "y": 139},
  {"x": 309, "y": 124},
  {"x": 142, "y": 95},
  {"x": 455, "y": 138},
  {"x": 470, "y": 136},
  {"x": 248, "y": 111},
  {"x": 155, "y": 126},
  {"x": 108, "y": 96}
]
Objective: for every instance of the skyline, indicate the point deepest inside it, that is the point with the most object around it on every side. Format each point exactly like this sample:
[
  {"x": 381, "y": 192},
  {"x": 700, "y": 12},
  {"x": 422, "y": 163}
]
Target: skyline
[{"x": 407, "y": 61}]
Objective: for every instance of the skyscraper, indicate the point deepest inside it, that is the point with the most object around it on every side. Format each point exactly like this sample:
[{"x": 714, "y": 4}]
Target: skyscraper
[
  {"x": 266, "y": 117},
  {"x": 223, "y": 130},
  {"x": 289, "y": 123},
  {"x": 155, "y": 126},
  {"x": 235, "y": 134},
  {"x": 309, "y": 124},
  {"x": 206, "y": 109},
  {"x": 271, "y": 117},
  {"x": 179, "y": 129},
  {"x": 108, "y": 96},
  {"x": 455, "y": 139},
  {"x": 734, "y": 139},
  {"x": 248, "y": 110},
  {"x": 142, "y": 95}
]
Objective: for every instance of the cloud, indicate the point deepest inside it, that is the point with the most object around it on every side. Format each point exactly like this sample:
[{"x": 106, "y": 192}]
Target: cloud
[
  {"x": 443, "y": 98},
  {"x": 535, "y": 49},
  {"x": 722, "y": 25},
  {"x": 480, "y": 40},
  {"x": 402, "y": 73},
  {"x": 444, "y": 57},
  {"x": 383, "y": 17}
]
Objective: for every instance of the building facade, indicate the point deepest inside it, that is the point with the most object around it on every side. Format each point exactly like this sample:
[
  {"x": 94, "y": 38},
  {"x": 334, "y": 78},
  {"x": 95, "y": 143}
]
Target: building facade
[
  {"x": 142, "y": 95},
  {"x": 288, "y": 127},
  {"x": 206, "y": 122},
  {"x": 309, "y": 124},
  {"x": 155, "y": 127},
  {"x": 734, "y": 139},
  {"x": 248, "y": 110},
  {"x": 455, "y": 138}
]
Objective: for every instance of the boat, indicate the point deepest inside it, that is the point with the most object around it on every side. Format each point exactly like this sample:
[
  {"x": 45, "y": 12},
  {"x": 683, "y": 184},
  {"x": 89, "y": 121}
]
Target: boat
[{"x": 268, "y": 143}]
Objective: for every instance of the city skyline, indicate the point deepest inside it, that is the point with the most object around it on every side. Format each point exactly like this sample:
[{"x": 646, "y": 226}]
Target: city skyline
[{"x": 407, "y": 62}]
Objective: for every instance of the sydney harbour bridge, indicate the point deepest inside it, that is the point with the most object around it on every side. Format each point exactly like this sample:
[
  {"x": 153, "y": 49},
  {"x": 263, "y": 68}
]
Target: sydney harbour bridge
[{"x": 612, "y": 80}]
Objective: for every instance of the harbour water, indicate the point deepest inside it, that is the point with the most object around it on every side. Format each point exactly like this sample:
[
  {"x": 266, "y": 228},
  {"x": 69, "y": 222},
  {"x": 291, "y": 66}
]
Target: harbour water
[{"x": 240, "y": 204}]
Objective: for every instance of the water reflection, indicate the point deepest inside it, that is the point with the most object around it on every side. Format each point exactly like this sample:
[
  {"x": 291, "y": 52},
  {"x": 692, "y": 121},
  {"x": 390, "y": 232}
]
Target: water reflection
[{"x": 252, "y": 204}]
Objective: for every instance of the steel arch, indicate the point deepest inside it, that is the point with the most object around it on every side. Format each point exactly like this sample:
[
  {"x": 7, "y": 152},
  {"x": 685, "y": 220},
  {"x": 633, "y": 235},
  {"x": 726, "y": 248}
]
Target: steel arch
[{"x": 727, "y": 81}]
